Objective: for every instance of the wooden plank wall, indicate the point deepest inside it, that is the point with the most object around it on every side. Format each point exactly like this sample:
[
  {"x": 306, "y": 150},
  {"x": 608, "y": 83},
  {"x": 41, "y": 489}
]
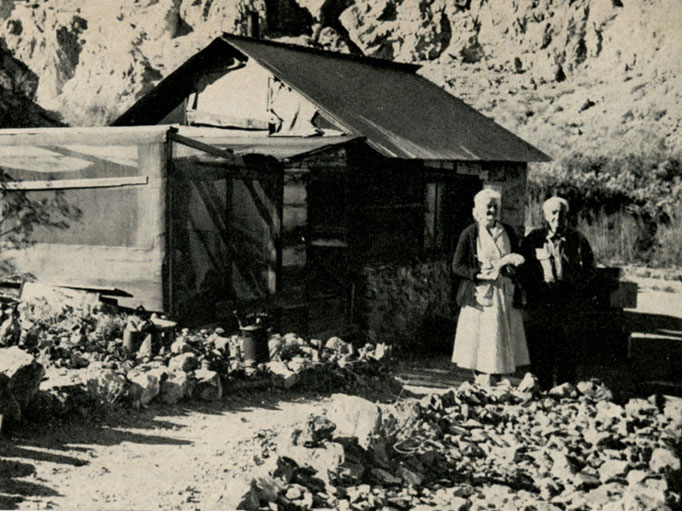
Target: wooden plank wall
[
  {"x": 291, "y": 299},
  {"x": 509, "y": 178},
  {"x": 299, "y": 309},
  {"x": 302, "y": 303}
]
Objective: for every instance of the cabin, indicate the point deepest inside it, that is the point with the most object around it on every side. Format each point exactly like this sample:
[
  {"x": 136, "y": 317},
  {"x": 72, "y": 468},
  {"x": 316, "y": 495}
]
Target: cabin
[
  {"x": 371, "y": 214},
  {"x": 330, "y": 189}
]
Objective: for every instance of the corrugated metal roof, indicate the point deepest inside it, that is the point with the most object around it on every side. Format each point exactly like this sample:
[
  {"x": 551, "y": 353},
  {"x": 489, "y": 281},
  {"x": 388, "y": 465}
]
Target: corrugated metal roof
[{"x": 401, "y": 114}]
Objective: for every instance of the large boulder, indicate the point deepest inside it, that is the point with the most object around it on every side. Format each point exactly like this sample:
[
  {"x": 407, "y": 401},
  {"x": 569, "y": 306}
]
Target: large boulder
[
  {"x": 397, "y": 30},
  {"x": 283, "y": 376},
  {"x": 63, "y": 393},
  {"x": 325, "y": 459},
  {"x": 354, "y": 417},
  {"x": 208, "y": 385},
  {"x": 664, "y": 459},
  {"x": 175, "y": 387},
  {"x": 104, "y": 384},
  {"x": 10, "y": 411},
  {"x": 186, "y": 362},
  {"x": 145, "y": 385},
  {"x": 24, "y": 373}
]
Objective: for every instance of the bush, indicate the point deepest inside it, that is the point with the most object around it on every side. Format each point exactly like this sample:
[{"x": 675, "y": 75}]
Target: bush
[
  {"x": 627, "y": 205},
  {"x": 668, "y": 250}
]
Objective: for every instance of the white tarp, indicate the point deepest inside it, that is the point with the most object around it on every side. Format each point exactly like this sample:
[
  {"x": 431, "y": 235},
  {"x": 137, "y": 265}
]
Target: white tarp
[{"x": 250, "y": 97}]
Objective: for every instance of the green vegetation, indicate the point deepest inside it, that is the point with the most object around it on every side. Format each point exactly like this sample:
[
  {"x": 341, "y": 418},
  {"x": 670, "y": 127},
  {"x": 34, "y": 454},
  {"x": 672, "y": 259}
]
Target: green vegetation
[{"x": 628, "y": 205}]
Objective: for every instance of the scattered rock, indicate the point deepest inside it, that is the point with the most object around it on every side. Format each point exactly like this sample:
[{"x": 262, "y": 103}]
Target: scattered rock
[
  {"x": 484, "y": 380},
  {"x": 24, "y": 374},
  {"x": 529, "y": 384},
  {"x": 565, "y": 390},
  {"x": 180, "y": 346},
  {"x": 549, "y": 454},
  {"x": 595, "y": 390}
]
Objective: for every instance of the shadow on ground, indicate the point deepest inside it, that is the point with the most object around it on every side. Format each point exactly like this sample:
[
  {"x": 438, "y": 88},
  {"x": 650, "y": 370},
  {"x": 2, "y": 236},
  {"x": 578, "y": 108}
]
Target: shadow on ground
[{"x": 14, "y": 490}]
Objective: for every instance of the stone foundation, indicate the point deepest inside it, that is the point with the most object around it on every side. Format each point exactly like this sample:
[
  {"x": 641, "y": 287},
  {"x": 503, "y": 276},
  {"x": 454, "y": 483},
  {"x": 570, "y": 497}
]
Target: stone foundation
[{"x": 397, "y": 303}]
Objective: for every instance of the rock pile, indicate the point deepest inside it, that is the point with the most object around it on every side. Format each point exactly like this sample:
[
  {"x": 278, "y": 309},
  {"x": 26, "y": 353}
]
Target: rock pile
[
  {"x": 481, "y": 447},
  {"x": 96, "y": 357}
]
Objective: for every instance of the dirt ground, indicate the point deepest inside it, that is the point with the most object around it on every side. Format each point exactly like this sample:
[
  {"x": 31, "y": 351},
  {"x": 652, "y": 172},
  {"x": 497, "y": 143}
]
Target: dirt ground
[
  {"x": 195, "y": 456},
  {"x": 166, "y": 457}
]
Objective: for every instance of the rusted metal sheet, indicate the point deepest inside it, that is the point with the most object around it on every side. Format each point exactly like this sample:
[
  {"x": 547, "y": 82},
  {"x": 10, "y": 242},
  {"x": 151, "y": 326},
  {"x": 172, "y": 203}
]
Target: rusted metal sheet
[{"x": 402, "y": 114}]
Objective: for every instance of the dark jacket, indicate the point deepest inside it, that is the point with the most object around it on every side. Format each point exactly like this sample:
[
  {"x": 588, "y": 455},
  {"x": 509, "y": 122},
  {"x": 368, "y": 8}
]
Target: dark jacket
[
  {"x": 465, "y": 264},
  {"x": 577, "y": 285}
]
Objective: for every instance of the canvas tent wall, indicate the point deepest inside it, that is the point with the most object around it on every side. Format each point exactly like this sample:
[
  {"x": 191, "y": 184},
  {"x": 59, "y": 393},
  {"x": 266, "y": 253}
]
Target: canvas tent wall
[{"x": 152, "y": 210}]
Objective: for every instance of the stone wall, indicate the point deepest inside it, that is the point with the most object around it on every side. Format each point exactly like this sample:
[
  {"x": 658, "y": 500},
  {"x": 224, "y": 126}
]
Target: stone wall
[{"x": 397, "y": 303}]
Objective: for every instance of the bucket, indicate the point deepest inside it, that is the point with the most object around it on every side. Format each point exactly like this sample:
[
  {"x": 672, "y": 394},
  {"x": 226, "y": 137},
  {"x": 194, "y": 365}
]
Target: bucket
[{"x": 255, "y": 339}]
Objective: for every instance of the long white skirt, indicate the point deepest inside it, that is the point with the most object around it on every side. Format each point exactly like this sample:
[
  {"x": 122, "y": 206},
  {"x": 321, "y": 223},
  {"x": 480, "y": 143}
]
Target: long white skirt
[{"x": 491, "y": 338}]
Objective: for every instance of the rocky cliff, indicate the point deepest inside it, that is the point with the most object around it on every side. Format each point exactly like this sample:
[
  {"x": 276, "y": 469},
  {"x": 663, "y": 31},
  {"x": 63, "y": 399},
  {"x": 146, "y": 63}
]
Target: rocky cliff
[
  {"x": 18, "y": 85},
  {"x": 587, "y": 75}
]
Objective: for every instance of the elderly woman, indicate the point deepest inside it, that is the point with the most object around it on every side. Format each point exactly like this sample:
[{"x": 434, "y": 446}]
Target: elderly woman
[{"x": 490, "y": 337}]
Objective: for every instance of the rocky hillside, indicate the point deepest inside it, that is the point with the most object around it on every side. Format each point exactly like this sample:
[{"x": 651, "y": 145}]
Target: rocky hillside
[
  {"x": 17, "y": 90},
  {"x": 588, "y": 75}
]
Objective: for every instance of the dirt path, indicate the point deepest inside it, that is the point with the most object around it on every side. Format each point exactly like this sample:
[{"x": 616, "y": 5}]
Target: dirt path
[{"x": 163, "y": 458}]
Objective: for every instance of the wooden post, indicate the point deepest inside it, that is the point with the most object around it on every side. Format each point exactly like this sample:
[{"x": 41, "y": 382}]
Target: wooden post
[{"x": 252, "y": 26}]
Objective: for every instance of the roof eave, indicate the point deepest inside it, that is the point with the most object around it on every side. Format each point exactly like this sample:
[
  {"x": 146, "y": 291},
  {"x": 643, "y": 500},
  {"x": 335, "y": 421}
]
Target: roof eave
[{"x": 234, "y": 39}]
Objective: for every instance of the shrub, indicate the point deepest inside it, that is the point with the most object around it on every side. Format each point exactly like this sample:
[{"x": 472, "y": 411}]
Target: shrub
[{"x": 628, "y": 204}]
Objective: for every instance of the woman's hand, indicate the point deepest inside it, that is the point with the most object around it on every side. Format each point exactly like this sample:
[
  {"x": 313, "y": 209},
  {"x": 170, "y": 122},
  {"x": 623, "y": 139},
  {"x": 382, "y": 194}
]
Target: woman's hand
[{"x": 512, "y": 259}]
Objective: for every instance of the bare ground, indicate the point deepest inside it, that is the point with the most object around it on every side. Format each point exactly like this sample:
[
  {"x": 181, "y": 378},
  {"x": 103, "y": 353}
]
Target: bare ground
[
  {"x": 166, "y": 457},
  {"x": 197, "y": 456}
]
